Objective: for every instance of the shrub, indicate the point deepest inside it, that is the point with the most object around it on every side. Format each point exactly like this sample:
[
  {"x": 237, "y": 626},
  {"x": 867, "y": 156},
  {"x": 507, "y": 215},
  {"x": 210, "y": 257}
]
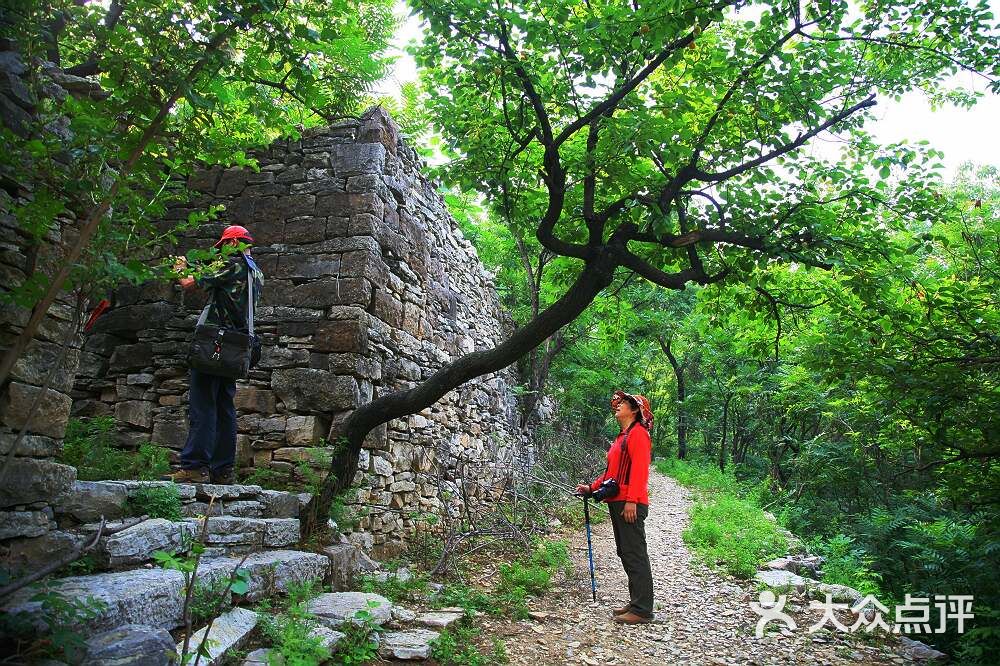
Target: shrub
[
  {"x": 360, "y": 642},
  {"x": 89, "y": 446},
  {"x": 734, "y": 534},
  {"x": 156, "y": 502},
  {"x": 848, "y": 565},
  {"x": 456, "y": 647},
  {"x": 465, "y": 597}
]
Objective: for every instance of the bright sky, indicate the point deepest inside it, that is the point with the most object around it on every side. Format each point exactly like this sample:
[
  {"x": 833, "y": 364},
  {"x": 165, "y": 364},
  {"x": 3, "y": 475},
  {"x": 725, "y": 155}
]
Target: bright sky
[{"x": 961, "y": 134}]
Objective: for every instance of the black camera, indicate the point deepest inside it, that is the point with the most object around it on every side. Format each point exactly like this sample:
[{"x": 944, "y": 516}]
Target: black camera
[{"x": 606, "y": 491}]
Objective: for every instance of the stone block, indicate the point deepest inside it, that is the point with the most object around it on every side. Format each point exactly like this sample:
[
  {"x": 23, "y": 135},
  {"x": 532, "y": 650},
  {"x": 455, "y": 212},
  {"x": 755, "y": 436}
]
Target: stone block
[
  {"x": 137, "y": 544},
  {"x": 50, "y": 415},
  {"x": 30, "y": 446},
  {"x": 236, "y": 508},
  {"x": 30, "y": 480},
  {"x": 336, "y": 608},
  {"x": 228, "y": 530},
  {"x": 138, "y": 317},
  {"x": 204, "y": 180},
  {"x": 358, "y": 158},
  {"x": 278, "y": 504},
  {"x": 280, "y": 532},
  {"x": 341, "y": 336},
  {"x": 87, "y": 501},
  {"x": 130, "y": 645},
  {"x": 131, "y": 357},
  {"x": 228, "y": 491},
  {"x": 296, "y": 205},
  {"x": 439, "y": 619},
  {"x": 30, "y": 554},
  {"x": 135, "y": 412},
  {"x": 172, "y": 434},
  {"x": 228, "y": 632},
  {"x": 305, "y": 230},
  {"x": 319, "y": 391},
  {"x": 343, "y": 565},
  {"x": 781, "y": 580},
  {"x": 232, "y": 182},
  {"x": 413, "y": 644},
  {"x": 23, "y": 524},
  {"x": 34, "y": 365},
  {"x": 305, "y": 430},
  {"x": 343, "y": 204},
  {"x": 305, "y": 267}
]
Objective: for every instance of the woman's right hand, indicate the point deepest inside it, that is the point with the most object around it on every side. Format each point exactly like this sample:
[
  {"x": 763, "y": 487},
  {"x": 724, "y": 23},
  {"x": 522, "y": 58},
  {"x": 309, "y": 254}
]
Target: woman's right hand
[{"x": 583, "y": 489}]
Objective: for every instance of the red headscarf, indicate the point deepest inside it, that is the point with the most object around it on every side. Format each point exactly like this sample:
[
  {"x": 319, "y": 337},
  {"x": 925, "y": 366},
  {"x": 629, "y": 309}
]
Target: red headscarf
[{"x": 640, "y": 401}]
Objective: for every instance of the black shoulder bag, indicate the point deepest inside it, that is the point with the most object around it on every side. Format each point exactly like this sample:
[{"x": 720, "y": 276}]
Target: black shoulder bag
[{"x": 222, "y": 351}]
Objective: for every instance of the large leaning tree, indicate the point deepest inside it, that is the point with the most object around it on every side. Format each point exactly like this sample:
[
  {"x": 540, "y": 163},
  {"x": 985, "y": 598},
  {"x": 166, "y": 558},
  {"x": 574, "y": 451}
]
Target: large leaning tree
[{"x": 672, "y": 139}]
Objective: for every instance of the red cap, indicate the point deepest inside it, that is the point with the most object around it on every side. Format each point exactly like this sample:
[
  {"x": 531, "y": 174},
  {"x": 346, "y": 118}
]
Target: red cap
[
  {"x": 235, "y": 231},
  {"x": 640, "y": 401}
]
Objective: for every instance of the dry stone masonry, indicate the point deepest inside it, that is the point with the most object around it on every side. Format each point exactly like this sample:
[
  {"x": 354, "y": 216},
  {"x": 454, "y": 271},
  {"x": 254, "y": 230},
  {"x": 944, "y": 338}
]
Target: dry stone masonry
[{"x": 370, "y": 287}]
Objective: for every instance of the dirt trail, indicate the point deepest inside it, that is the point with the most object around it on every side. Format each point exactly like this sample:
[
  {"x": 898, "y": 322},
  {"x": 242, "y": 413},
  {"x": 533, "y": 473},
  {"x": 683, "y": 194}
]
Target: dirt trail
[{"x": 702, "y": 617}]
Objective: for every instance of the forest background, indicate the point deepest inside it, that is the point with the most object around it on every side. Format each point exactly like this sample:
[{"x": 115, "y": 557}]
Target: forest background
[{"x": 850, "y": 375}]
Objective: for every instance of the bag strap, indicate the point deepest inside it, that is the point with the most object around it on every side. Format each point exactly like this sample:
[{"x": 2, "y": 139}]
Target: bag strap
[
  {"x": 250, "y": 267},
  {"x": 227, "y": 304}
]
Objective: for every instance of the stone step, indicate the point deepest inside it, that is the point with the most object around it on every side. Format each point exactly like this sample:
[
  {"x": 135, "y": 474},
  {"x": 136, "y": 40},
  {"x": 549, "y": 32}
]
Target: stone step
[
  {"x": 229, "y": 630},
  {"x": 156, "y": 596},
  {"x": 87, "y": 501},
  {"x": 225, "y": 535}
]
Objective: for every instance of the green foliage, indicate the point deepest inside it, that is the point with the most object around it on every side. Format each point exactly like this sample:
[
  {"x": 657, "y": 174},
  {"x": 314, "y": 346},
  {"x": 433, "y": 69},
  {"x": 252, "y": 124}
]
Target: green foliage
[
  {"x": 465, "y": 597},
  {"x": 396, "y": 588},
  {"x": 733, "y": 534},
  {"x": 156, "y": 502},
  {"x": 848, "y": 565},
  {"x": 208, "y": 600},
  {"x": 360, "y": 642},
  {"x": 289, "y": 631},
  {"x": 457, "y": 647},
  {"x": 726, "y": 530},
  {"x": 89, "y": 446}
]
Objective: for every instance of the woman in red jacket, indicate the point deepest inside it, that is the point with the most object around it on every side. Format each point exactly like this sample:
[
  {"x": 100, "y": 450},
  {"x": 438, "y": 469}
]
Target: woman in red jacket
[{"x": 628, "y": 464}]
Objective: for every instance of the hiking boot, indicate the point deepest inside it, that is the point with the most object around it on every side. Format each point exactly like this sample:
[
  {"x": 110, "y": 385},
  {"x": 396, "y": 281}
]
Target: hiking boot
[
  {"x": 632, "y": 618},
  {"x": 621, "y": 611},
  {"x": 187, "y": 476},
  {"x": 226, "y": 477}
]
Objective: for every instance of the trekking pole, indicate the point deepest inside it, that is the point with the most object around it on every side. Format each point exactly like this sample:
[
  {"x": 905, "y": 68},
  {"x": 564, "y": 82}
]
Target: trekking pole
[{"x": 590, "y": 548}]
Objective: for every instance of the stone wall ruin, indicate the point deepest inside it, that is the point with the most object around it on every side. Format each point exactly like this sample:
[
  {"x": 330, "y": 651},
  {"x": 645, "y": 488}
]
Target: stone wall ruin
[{"x": 370, "y": 287}]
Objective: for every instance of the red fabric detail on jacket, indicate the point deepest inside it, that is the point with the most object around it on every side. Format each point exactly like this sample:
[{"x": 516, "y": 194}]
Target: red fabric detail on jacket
[{"x": 631, "y": 470}]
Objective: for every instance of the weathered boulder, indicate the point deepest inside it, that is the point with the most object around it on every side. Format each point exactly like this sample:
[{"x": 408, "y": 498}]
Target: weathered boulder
[
  {"x": 336, "y": 608},
  {"x": 412, "y": 644},
  {"x": 838, "y": 593},
  {"x": 918, "y": 651},
  {"x": 31, "y": 480},
  {"x": 30, "y": 554},
  {"x": 87, "y": 501},
  {"x": 130, "y": 645},
  {"x": 281, "y": 531},
  {"x": 227, "y": 632}
]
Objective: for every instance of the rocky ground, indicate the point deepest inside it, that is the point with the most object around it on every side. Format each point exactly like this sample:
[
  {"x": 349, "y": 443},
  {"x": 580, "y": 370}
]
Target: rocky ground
[{"x": 702, "y": 617}]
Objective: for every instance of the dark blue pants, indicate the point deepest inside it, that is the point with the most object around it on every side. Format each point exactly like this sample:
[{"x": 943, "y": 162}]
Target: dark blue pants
[{"x": 211, "y": 439}]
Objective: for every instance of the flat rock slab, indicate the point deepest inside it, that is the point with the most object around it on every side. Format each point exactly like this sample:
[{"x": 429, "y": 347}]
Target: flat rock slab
[
  {"x": 186, "y": 491},
  {"x": 227, "y": 632},
  {"x": 411, "y": 644},
  {"x": 438, "y": 619},
  {"x": 131, "y": 645},
  {"x": 155, "y": 596},
  {"x": 87, "y": 501},
  {"x": 780, "y": 579},
  {"x": 336, "y": 608},
  {"x": 220, "y": 491},
  {"x": 838, "y": 593},
  {"x": 137, "y": 544},
  {"x": 328, "y": 636}
]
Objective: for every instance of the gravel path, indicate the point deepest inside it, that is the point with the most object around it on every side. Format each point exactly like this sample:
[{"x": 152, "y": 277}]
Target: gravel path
[{"x": 702, "y": 617}]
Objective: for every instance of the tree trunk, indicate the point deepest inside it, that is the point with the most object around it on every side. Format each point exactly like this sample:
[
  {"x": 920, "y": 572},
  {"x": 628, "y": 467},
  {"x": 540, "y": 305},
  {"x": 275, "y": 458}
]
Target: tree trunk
[
  {"x": 725, "y": 431},
  {"x": 681, "y": 395},
  {"x": 596, "y": 276}
]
